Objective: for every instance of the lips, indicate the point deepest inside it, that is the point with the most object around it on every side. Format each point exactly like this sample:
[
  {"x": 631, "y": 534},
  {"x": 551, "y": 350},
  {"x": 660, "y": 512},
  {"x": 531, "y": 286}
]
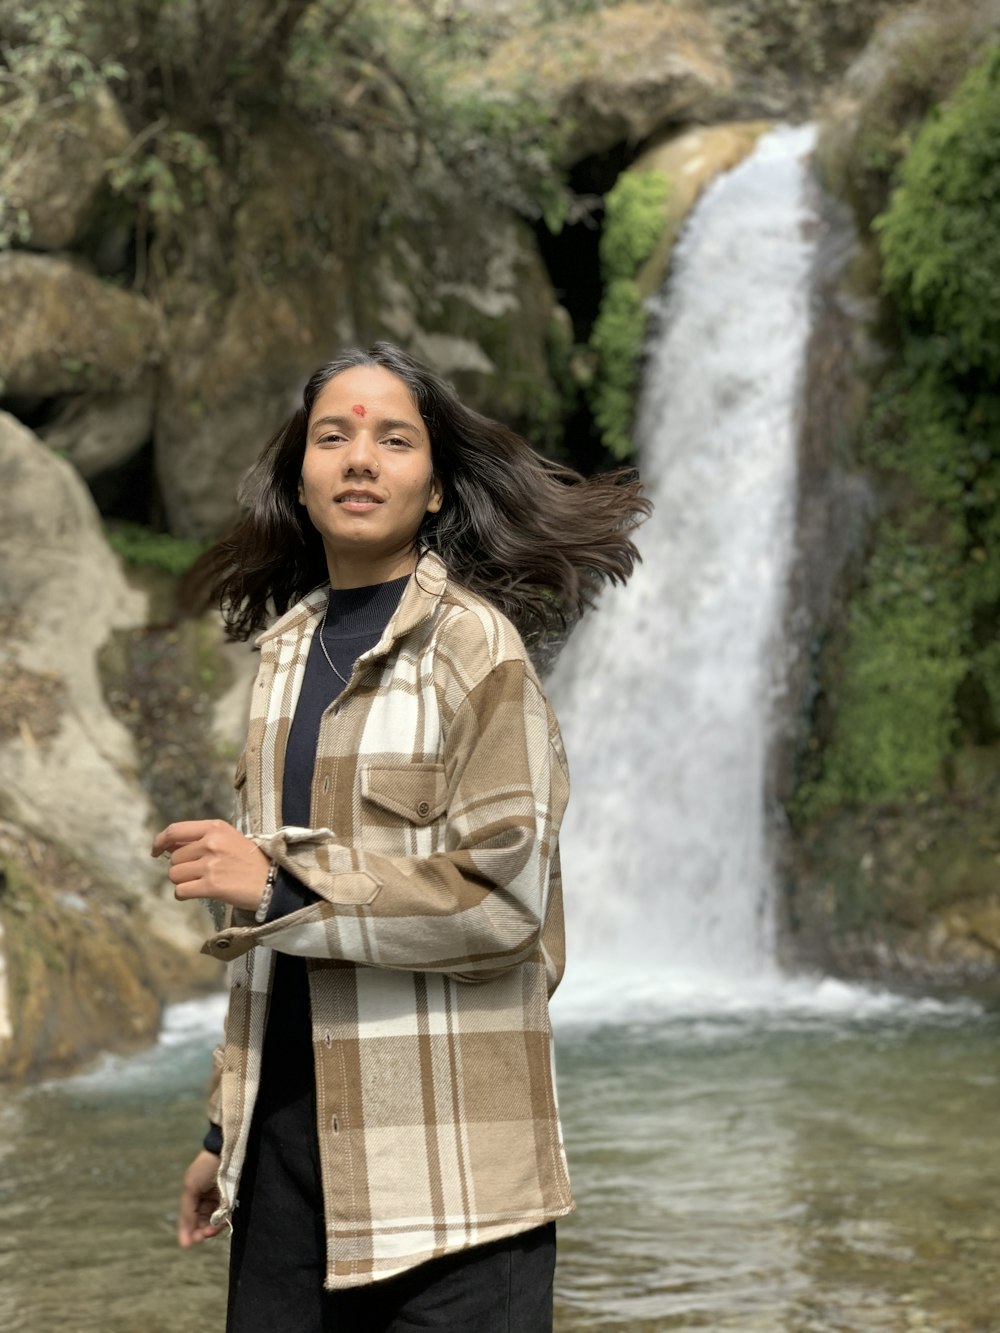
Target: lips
[{"x": 352, "y": 498}]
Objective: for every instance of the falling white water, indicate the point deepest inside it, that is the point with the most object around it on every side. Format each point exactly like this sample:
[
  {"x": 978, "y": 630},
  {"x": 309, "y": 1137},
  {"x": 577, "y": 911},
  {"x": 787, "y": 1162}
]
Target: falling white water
[{"x": 665, "y": 693}]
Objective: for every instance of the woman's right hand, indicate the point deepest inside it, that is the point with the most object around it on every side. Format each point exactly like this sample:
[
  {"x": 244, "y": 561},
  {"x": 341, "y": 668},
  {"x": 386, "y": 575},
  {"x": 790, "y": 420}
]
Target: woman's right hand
[{"x": 199, "y": 1200}]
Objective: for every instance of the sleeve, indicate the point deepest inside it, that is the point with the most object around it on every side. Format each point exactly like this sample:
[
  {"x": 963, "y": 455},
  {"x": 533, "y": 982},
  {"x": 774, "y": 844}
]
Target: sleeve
[
  {"x": 473, "y": 910},
  {"x": 290, "y": 895}
]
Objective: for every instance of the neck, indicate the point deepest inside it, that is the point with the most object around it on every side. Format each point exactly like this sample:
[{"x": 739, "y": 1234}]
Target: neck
[{"x": 346, "y": 572}]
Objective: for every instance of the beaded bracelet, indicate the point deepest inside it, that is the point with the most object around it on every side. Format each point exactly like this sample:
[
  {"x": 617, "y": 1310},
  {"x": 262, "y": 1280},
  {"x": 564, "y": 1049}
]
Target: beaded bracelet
[{"x": 260, "y": 916}]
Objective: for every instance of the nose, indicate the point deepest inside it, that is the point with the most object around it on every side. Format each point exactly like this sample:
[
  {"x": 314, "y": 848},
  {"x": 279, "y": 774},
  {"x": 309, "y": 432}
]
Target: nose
[{"x": 361, "y": 456}]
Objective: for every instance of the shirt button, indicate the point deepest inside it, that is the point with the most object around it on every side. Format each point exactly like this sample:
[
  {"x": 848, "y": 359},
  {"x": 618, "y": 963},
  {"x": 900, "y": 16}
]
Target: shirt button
[{"x": 423, "y": 808}]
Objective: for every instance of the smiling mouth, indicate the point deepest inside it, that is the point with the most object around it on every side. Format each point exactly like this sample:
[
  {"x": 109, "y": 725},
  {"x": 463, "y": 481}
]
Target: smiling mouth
[{"x": 357, "y": 498}]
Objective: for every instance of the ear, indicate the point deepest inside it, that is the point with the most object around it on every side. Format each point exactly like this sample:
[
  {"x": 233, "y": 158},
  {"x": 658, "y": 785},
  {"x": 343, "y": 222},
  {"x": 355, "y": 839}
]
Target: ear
[
  {"x": 300, "y": 493},
  {"x": 435, "y": 497}
]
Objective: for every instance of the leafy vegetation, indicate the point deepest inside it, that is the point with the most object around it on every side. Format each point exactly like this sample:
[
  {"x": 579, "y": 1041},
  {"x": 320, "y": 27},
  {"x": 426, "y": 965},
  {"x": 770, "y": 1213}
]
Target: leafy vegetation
[
  {"x": 138, "y": 545},
  {"x": 920, "y": 669},
  {"x": 633, "y": 220},
  {"x": 941, "y": 232}
]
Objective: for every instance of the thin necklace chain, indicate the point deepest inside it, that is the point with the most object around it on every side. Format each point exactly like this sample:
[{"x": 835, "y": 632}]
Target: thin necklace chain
[{"x": 322, "y": 644}]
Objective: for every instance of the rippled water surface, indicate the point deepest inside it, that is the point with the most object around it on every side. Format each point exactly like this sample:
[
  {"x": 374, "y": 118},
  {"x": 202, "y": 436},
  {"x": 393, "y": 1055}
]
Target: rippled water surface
[{"x": 803, "y": 1165}]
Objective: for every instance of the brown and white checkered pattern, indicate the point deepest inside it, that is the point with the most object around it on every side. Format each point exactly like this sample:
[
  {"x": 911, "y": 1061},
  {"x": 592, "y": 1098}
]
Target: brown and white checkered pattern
[{"x": 439, "y": 786}]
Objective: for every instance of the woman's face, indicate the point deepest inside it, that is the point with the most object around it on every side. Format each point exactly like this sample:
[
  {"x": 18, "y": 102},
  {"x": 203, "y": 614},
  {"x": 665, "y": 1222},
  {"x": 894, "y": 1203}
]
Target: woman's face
[{"x": 367, "y": 477}]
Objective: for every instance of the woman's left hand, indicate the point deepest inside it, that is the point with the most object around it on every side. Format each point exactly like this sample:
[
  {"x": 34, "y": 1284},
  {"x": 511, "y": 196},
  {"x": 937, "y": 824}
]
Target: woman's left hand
[{"x": 211, "y": 859}]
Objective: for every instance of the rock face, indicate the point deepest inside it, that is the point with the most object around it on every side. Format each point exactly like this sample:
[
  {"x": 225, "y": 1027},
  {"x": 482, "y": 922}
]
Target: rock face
[
  {"x": 465, "y": 291},
  {"x": 617, "y": 74},
  {"x": 913, "y": 61},
  {"x": 908, "y": 891},
  {"x": 56, "y": 165},
  {"x": 64, "y": 331},
  {"x": 76, "y": 825}
]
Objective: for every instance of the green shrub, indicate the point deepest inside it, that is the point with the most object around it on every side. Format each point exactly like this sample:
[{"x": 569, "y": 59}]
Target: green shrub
[
  {"x": 633, "y": 221},
  {"x": 940, "y": 235}
]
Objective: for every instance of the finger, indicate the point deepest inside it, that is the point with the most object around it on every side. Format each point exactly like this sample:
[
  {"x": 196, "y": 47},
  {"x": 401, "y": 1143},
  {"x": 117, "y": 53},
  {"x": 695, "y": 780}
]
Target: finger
[
  {"x": 192, "y": 888},
  {"x": 186, "y": 851},
  {"x": 202, "y": 1233},
  {"x": 176, "y": 835},
  {"x": 185, "y": 872}
]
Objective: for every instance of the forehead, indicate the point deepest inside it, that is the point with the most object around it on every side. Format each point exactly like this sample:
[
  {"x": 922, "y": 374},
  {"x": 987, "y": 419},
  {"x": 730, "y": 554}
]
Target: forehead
[{"x": 377, "y": 390}]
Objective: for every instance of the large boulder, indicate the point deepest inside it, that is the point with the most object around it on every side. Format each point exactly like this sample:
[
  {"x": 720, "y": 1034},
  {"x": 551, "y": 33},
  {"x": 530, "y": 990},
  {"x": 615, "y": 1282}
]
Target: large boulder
[
  {"x": 64, "y": 331},
  {"x": 54, "y": 165},
  {"x": 612, "y": 76},
  {"x": 81, "y": 901}
]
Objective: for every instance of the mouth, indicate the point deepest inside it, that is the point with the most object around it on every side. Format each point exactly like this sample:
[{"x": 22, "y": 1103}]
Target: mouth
[{"x": 357, "y": 500}]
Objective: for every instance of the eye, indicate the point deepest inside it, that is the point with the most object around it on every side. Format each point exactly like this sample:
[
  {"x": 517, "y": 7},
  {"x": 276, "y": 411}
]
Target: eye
[
  {"x": 398, "y": 441},
  {"x": 331, "y": 437}
]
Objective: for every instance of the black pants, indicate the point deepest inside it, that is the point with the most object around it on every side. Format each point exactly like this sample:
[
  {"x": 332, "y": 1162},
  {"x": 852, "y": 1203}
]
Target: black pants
[{"x": 278, "y": 1259}]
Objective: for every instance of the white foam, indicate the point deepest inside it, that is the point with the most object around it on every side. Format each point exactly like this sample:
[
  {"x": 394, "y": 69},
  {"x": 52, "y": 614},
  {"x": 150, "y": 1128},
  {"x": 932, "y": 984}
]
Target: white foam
[{"x": 596, "y": 994}]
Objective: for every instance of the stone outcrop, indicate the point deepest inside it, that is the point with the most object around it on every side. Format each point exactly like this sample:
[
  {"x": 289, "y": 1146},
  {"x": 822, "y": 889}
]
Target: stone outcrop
[
  {"x": 65, "y": 331},
  {"x": 913, "y": 61},
  {"x": 54, "y": 166},
  {"x": 615, "y": 75},
  {"x": 78, "y": 884},
  {"x": 908, "y": 891}
]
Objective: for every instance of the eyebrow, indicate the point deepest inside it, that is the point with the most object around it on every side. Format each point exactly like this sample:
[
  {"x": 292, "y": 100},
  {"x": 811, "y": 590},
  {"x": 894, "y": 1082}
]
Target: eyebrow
[{"x": 383, "y": 423}]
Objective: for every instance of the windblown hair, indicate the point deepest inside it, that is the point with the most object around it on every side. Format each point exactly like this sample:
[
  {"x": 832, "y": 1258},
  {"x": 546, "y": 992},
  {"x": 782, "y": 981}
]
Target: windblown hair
[{"x": 534, "y": 538}]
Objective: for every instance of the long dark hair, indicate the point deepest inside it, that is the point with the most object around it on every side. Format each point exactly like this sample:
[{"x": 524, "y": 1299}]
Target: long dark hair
[{"x": 531, "y": 536}]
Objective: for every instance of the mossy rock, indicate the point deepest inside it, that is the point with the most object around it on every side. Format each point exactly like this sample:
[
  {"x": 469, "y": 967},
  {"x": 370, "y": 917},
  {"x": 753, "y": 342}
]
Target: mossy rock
[
  {"x": 905, "y": 890},
  {"x": 81, "y": 977}
]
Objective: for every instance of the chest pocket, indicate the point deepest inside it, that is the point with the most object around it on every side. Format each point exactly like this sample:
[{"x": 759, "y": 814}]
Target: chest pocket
[{"x": 416, "y": 793}]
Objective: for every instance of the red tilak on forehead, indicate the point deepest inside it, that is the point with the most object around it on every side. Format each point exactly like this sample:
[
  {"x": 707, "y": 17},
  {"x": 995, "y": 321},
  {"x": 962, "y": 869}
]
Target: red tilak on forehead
[{"x": 358, "y": 409}]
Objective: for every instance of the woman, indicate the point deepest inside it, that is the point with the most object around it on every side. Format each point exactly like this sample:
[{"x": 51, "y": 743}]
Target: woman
[{"x": 385, "y": 1141}]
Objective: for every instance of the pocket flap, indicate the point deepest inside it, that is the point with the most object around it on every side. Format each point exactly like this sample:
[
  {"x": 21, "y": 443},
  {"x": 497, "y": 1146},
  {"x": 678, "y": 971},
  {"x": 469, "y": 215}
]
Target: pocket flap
[{"x": 418, "y": 792}]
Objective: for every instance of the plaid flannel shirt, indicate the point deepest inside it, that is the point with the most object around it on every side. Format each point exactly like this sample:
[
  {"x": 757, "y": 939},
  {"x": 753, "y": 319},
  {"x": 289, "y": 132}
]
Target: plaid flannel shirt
[{"x": 439, "y": 786}]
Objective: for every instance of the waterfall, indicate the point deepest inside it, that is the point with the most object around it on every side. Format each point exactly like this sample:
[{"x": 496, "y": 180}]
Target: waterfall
[{"x": 665, "y": 692}]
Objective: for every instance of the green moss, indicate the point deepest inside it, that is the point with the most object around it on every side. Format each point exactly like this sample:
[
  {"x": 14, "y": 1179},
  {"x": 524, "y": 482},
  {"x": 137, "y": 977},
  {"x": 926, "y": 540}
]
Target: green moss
[
  {"x": 617, "y": 340},
  {"x": 919, "y": 671},
  {"x": 895, "y": 708},
  {"x": 634, "y": 218},
  {"x": 138, "y": 545},
  {"x": 633, "y": 221}
]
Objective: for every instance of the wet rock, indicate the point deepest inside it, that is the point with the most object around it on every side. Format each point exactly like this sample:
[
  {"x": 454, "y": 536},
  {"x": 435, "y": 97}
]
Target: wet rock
[
  {"x": 907, "y": 891},
  {"x": 56, "y": 163},
  {"x": 690, "y": 161},
  {"x": 64, "y": 331}
]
